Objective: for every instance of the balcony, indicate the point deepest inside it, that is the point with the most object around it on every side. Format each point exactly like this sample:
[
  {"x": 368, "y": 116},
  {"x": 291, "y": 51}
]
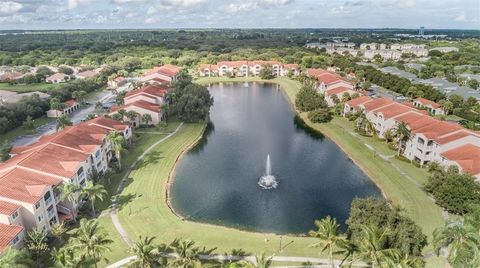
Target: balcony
[
  {"x": 51, "y": 213},
  {"x": 48, "y": 200}
]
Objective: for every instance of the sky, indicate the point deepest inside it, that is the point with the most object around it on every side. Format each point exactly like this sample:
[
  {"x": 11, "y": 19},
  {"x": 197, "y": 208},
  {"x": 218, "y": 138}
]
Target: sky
[{"x": 101, "y": 14}]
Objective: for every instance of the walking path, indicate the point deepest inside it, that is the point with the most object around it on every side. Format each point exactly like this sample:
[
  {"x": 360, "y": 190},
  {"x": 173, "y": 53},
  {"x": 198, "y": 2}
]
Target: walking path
[{"x": 116, "y": 198}]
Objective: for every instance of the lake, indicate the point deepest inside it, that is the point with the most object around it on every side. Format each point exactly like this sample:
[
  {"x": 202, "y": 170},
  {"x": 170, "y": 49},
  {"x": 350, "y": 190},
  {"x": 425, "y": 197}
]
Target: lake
[{"x": 216, "y": 182}]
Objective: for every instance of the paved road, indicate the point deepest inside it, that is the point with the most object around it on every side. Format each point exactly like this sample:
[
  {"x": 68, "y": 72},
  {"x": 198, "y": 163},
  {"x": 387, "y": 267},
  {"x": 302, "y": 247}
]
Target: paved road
[{"x": 113, "y": 211}]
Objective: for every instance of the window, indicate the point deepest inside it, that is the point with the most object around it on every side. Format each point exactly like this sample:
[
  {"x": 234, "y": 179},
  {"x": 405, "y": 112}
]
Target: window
[
  {"x": 80, "y": 172},
  {"x": 37, "y": 205},
  {"x": 15, "y": 240},
  {"x": 40, "y": 218},
  {"x": 97, "y": 154},
  {"x": 15, "y": 215}
]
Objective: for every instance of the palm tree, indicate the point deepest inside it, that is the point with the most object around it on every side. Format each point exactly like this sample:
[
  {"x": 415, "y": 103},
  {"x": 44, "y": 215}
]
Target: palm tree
[
  {"x": 57, "y": 230},
  {"x": 117, "y": 143},
  {"x": 146, "y": 252},
  {"x": 188, "y": 254},
  {"x": 404, "y": 261},
  {"x": 346, "y": 97},
  {"x": 93, "y": 192},
  {"x": 123, "y": 113},
  {"x": 166, "y": 110},
  {"x": 348, "y": 249},
  {"x": 70, "y": 192},
  {"x": 403, "y": 134},
  {"x": 63, "y": 121},
  {"x": 372, "y": 246},
  {"x": 98, "y": 105},
  {"x": 329, "y": 235},
  {"x": 132, "y": 116},
  {"x": 56, "y": 105},
  {"x": 37, "y": 244},
  {"x": 462, "y": 240},
  {"x": 91, "y": 238},
  {"x": 14, "y": 258},
  {"x": 146, "y": 118},
  {"x": 66, "y": 258},
  {"x": 264, "y": 261}
]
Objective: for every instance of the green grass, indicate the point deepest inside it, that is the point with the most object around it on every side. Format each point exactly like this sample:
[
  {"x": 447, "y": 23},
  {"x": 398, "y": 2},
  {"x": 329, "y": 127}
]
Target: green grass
[
  {"x": 21, "y": 131},
  {"x": 21, "y": 88}
]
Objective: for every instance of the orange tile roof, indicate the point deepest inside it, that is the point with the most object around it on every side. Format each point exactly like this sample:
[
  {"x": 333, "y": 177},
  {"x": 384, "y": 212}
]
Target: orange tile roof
[
  {"x": 337, "y": 90},
  {"x": 467, "y": 156},
  {"x": 25, "y": 185},
  {"x": 70, "y": 103},
  {"x": 158, "y": 91},
  {"x": 377, "y": 103},
  {"x": 57, "y": 76},
  {"x": 437, "y": 128},
  {"x": 324, "y": 76},
  {"x": 141, "y": 104},
  {"x": 7, "y": 208},
  {"x": 233, "y": 64},
  {"x": 392, "y": 110},
  {"x": 456, "y": 136},
  {"x": 87, "y": 74},
  {"x": 415, "y": 120},
  {"x": 169, "y": 70},
  {"x": 7, "y": 234},
  {"x": 426, "y": 102},
  {"x": 291, "y": 66},
  {"x": 357, "y": 101}
]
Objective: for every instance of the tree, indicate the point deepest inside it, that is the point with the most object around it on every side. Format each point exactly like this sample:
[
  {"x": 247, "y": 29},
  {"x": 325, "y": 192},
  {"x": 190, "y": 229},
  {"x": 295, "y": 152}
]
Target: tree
[
  {"x": 14, "y": 258},
  {"x": 447, "y": 106},
  {"x": 5, "y": 149},
  {"x": 57, "y": 230},
  {"x": 132, "y": 116},
  {"x": 266, "y": 72},
  {"x": 66, "y": 257},
  {"x": 146, "y": 118},
  {"x": 43, "y": 72},
  {"x": 29, "y": 123},
  {"x": 65, "y": 69},
  {"x": 117, "y": 143},
  {"x": 372, "y": 246},
  {"x": 37, "y": 244},
  {"x": 308, "y": 99},
  {"x": 91, "y": 238},
  {"x": 117, "y": 117},
  {"x": 188, "y": 253},
  {"x": 329, "y": 235},
  {"x": 320, "y": 116},
  {"x": 92, "y": 192},
  {"x": 79, "y": 95},
  {"x": 123, "y": 113},
  {"x": 264, "y": 261},
  {"x": 147, "y": 253},
  {"x": 56, "y": 105},
  {"x": 366, "y": 85},
  {"x": 456, "y": 100},
  {"x": 473, "y": 83},
  {"x": 63, "y": 121},
  {"x": 403, "y": 134},
  {"x": 346, "y": 97},
  {"x": 462, "y": 240},
  {"x": 98, "y": 105},
  {"x": 70, "y": 192},
  {"x": 192, "y": 103},
  {"x": 119, "y": 98},
  {"x": 30, "y": 79}
]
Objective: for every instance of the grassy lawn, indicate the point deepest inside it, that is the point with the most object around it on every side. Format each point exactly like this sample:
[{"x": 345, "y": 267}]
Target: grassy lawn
[
  {"x": 21, "y": 88},
  {"x": 21, "y": 131}
]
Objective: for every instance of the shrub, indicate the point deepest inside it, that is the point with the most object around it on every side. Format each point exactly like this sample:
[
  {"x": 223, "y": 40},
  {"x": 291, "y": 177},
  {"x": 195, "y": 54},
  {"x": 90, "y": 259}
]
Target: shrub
[
  {"x": 402, "y": 158},
  {"x": 320, "y": 116}
]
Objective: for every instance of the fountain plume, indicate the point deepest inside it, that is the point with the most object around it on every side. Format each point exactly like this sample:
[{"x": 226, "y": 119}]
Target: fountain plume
[{"x": 268, "y": 181}]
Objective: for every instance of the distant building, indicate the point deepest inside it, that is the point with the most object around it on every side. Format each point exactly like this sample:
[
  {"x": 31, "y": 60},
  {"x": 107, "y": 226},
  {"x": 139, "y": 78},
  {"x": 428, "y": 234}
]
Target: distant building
[
  {"x": 117, "y": 82},
  {"x": 421, "y": 31},
  {"x": 57, "y": 78},
  {"x": 431, "y": 106},
  {"x": 161, "y": 75},
  {"x": 445, "y": 49},
  {"x": 11, "y": 77},
  {"x": 247, "y": 68},
  {"x": 86, "y": 74},
  {"x": 70, "y": 107}
]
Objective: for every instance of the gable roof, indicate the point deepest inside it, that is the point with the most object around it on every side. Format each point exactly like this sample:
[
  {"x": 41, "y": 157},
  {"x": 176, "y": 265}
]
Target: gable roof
[
  {"x": 7, "y": 234},
  {"x": 169, "y": 70},
  {"x": 357, "y": 101},
  {"x": 57, "y": 76},
  {"x": 426, "y": 102},
  {"x": 87, "y": 74},
  {"x": 155, "y": 90},
  {"x": 466, "y": 156},
  {"x": 140, "y": 104},
  {"x": 7, "y": 208}
]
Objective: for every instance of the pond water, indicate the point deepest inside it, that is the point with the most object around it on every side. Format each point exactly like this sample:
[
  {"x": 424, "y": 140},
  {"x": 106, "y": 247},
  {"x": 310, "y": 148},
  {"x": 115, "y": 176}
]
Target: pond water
[{"x": 217, "y": 181}]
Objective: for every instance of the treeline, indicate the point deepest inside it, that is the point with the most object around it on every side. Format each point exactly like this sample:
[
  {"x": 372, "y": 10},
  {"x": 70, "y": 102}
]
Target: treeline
[{"x": 13, "y": 115}]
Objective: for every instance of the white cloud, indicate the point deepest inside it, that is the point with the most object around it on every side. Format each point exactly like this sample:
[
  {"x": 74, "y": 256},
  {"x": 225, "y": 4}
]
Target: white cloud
[
  {"x": 340, "y": 10},
  {"x": 460, "y": 17},
  {"x": 72, "y": 4},
  {"x": 120, "y": 2},
  {"x": 9, "y": 7},
  {"x": 276, "y": 2}
]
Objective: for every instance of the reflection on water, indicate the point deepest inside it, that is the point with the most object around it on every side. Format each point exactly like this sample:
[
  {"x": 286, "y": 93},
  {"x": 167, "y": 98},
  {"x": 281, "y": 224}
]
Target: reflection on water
[{"x": 217, "y": 181}]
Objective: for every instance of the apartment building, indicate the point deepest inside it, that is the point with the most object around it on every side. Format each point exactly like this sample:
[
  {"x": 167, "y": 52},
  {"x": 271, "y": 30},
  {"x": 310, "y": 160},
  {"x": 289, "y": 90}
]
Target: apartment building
[
  {"x": 431, "y": 106},
  {"x": 388, "y": 54},
  {"x": 431, "y": 140},
  {"x": 328, "y": 80},
  {"x": 161, "y": 75},
  {"x": 146, "y": 100},
  {"x": 69, "y": 107},
  {"x": 30, "y": 196},
  {"x": 247, "y": 68}
]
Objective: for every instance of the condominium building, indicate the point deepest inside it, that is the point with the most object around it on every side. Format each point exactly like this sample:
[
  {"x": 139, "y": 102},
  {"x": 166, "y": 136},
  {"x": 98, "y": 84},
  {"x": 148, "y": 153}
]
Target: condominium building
[
  {"x": 431, "y": 140},
  {"x": 30, "y": 196},
  {"x": 69, "y": 107},
  {"x": 161, "y": 75},
  {"x": 431, "y": 106},
  {"x": 146, "y": 100},
  {"x": 247, "y": 68}
]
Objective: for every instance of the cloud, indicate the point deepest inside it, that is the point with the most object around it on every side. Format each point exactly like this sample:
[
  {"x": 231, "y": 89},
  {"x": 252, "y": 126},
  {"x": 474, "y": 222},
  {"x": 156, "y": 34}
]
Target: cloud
[
  {"x": 72, "y": 4},
  {"x": 276, "y": 2},
  {"x": 340, "y": 10},
  {"x": 460, "y": 17},
  {"x": 9, "y": 7}
]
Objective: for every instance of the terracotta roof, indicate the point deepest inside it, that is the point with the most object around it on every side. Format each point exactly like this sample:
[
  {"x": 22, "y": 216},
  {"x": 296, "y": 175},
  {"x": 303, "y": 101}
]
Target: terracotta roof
[
  {"x": 25, "y": 185},
  {"x": 10, "y": 76},
  {"x": 264, "y": 62},
  {"x": 107, "y": 123},
  {"x": 456, "y": 136},
  {"x": 87, "y": 74},
  {"x": 415, "y": 120},
  {"x": 393, "y": 110},
  {"x": 426, "y": 102},
  {"x": 57, "y": 76},
  {"x": 7, "y": 234},
  {"x": 337, "y": 90},
  {"x": 233, "y": 64},
  {"x": 357, "y": 101},
  {"x": 377, "y": 103},
  {"x": 158, "y": 91},
  {"x": 291, "y": 66},
  {"x": 167, "y": 70},
  {"x": 119, "y": 79},
  {"x": 437, "y": 129},
  {"x": 7, "y": 208},
  {"x": 467, "y": 157},
  {"x": 141, "y": 104},
  {"x": 70, "y": 103}
]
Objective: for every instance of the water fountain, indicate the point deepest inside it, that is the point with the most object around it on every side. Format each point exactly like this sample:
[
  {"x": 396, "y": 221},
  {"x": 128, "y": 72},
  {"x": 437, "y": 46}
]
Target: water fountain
[{"x": 268, "y": 181}]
